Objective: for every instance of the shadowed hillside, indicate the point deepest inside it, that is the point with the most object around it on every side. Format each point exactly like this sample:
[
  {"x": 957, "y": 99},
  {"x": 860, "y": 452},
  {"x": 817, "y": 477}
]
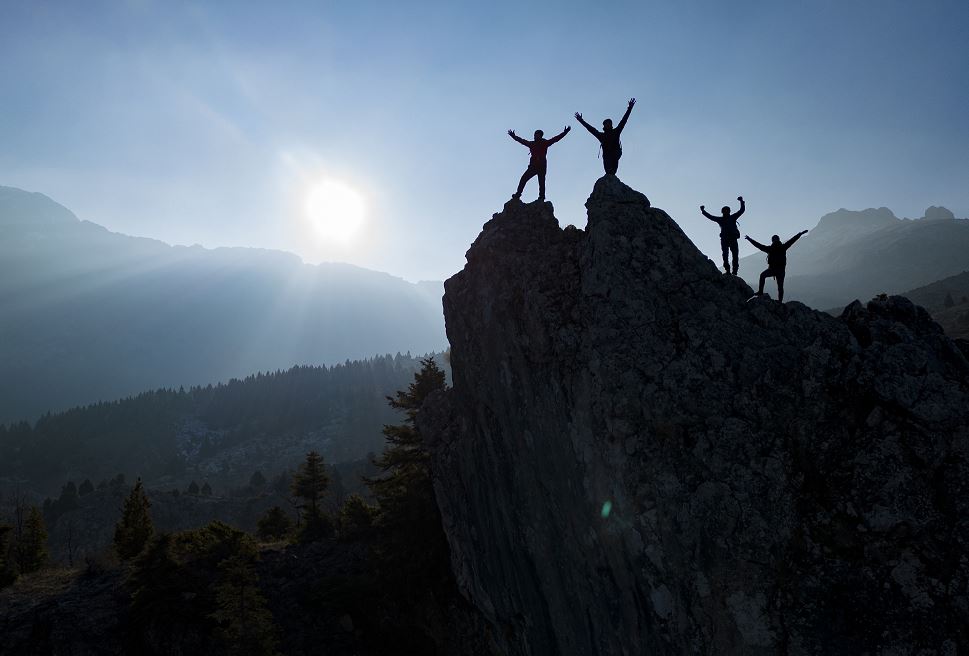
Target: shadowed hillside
[{"x": 92, "y": 315}]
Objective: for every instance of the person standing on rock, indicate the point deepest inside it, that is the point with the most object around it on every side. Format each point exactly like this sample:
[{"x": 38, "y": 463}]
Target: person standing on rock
[
  {"x": 537, "y": 163},
  {"x": 729, "y": 233},
  {"x": 609, "y": 138},
  {"x": 776, "y": 261}
]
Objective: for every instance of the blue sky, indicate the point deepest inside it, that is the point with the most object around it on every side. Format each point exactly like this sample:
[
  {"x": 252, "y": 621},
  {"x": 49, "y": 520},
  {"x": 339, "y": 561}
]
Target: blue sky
[{"x": 206, "y": 122}]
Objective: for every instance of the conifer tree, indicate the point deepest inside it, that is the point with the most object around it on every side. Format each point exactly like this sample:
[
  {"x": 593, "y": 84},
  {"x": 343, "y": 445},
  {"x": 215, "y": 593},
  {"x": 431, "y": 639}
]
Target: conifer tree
[
  {"x": 156, "y": 582},
  {"x": 309, "y": 484},
  {"x": 257, "y": 480},
  {"x": 206, "y": 489},
  {"x": 193, "y": 488},
  {"x": 135, "y": 528},
  {"x": 86, "y": 487},
  {"x": 245, "y": 623},
  {"x": 31, "y": 548},
  {"x": 274, "y": 525},
  {"x": 948, "y": 301},
  {"x": 412, "y": 545},
  {"x": 356, "y": 517}
]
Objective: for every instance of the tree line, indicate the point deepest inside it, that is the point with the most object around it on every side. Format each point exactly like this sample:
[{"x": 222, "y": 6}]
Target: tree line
[{"x": 215, "y": 567}]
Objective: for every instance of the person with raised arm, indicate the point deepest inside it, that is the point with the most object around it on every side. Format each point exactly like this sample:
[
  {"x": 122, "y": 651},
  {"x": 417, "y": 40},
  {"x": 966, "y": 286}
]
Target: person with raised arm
[
  {"x": 729, "y": 233},
  {"x": 776, "y": 261},
  {"x": 609, "y": 138},
  {"x": 537, "y": 163}
]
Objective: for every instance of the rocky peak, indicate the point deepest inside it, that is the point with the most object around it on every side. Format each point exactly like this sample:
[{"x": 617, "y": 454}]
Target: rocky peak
[
  {"x": 634, "y": 460},
  {"x": 936, "y": 213}
]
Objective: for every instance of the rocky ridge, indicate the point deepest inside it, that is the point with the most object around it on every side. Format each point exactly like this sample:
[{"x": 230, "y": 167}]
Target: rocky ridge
[{"x": 633, "y": 460}]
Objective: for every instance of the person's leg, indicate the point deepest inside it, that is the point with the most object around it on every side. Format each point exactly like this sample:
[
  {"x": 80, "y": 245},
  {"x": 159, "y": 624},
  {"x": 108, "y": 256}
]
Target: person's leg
[
  {"x": 763, "y": 278},
  {"x": 526, "y": 176},
  {"x": 734, "y": 250},
  {"x": 541, "y": 184},
  {"x": 610, "y": 163},
  {"x": 724, "y": 249},
  {"x": 779, "y": 277}
]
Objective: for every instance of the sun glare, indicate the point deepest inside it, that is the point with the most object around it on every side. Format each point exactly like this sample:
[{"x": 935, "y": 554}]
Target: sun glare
[{"x": 336, "y": 211}]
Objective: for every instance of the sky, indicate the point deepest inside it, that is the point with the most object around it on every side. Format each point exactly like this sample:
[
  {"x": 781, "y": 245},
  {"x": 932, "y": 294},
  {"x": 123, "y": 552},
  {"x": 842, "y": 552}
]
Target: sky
[{"x": 212, "y": 122}]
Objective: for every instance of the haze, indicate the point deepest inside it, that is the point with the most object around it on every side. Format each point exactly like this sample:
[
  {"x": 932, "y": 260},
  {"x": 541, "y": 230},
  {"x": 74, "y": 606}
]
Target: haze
[{"x": 206, "y": 123}]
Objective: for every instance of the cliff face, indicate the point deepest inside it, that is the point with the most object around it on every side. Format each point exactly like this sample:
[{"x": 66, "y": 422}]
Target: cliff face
[{"x": 632, "y": 460}]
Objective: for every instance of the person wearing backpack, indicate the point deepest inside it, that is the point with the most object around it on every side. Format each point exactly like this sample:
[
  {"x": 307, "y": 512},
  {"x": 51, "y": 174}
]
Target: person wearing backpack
[
  {"x": 729, "y": 232},
  {"x": 776, "y": 261},
  {"x": 609, "y": 138},
  {"x": 537, "y": 162}
]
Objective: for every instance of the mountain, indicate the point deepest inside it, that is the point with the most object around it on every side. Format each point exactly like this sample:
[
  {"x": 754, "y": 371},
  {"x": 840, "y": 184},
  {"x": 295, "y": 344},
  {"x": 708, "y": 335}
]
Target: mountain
[
  {"x": 633, "y": 460},
  {"x": 857, "y": 254},
  {"x": 219, "y": 434},
  {"x": 87, "y": 314},
  {"x": 948, "y": 302}
]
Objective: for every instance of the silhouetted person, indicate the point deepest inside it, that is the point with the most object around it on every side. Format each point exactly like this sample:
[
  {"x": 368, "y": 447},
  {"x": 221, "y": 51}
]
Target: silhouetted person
[
  {"x": 776, "y": 261},
  {"x": 609, "y": 138},
  {"x": 729, "y": 233},
  {"x": 537, "y": 163}
]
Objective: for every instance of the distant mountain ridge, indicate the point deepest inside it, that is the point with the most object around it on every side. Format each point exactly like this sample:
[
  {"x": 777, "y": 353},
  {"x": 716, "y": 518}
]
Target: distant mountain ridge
[
  {"x": 852, "y": 255},
  {"x": 87, "y": 314},
  {"x": 948, "y": 302}
]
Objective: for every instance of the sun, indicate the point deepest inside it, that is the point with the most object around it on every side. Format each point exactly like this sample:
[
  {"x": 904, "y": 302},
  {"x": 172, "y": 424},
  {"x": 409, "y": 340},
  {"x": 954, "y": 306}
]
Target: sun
[{"x": 336, "y": 211}]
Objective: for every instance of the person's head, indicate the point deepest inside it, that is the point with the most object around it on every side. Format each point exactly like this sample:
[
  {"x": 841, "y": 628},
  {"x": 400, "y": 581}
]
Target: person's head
[
  {"x": 539, "y": 134},
  {"x": 775, "y": 239},
  {"x": 607, "y": 124},
  {"x": 725, "y": 210}
]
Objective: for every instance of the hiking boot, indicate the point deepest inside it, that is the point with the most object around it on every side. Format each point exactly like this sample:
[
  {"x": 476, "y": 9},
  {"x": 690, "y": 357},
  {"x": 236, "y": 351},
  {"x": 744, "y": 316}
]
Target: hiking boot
[{"x": 726, "y": 268}]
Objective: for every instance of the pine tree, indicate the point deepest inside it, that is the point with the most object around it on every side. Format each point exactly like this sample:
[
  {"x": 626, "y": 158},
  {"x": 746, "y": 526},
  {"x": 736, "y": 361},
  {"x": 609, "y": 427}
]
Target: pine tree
[
  {"x": 949, "y": 301},
  {"x": 309, "y": 484},
  {"x": 356, "y": 518},
  {"x": 31, "y": 549},
  {"x": 412, "y": 546},
  {"x": 193, "y": 488},
  {"x": 245, "y": 623},
  {"x": 257, "y": 480},
  {"x": 274, "y": 525},
  {"x": 86, "y": 487},
  {"x": 135, "y": 528},
  {"x": 206, "y": 489}
]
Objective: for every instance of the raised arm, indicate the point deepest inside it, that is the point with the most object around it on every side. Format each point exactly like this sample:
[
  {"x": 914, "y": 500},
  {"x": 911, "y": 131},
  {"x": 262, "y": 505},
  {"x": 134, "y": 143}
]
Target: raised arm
[
  {"x": 790, "y": 242},
  {"x": 625, "y": 117},
  {"x": 743, "y": 208},
  {"x": 511, "y": 133},
  {"x": 707, "y": 214},
  {"x": 588, "y": 127},
  {"x": 757, "y": 244},
  {"x": 559, "y": 136}
]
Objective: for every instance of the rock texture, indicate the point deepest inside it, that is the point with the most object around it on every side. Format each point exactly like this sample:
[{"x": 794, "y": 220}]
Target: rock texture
[{"x": 633, "y": 460}]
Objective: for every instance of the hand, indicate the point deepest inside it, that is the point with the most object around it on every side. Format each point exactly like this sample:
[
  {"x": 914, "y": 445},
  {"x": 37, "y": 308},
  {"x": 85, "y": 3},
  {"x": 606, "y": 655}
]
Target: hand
[
  {"x": 578, "y": 116},
  {"x": 702, "y": 207},
  {"x": 740, "y": 198},
  {"x": 567, "y": 128},
  {"x": 632, "y": 101},
  {"x": 511, "y": 133},
  {"x": 747, "y": 237},
  {"x": 804, "y": 232}
]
